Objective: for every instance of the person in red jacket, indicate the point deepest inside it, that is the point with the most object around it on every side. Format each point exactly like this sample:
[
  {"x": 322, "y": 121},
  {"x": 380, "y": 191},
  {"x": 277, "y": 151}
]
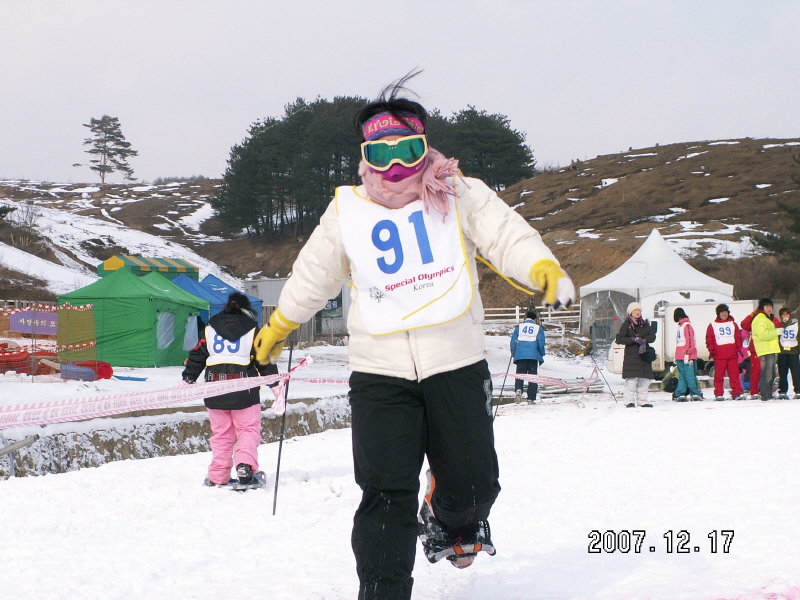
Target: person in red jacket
[
  {"x": 755, "y": 361},
  {"x": 724, "y": 341}
]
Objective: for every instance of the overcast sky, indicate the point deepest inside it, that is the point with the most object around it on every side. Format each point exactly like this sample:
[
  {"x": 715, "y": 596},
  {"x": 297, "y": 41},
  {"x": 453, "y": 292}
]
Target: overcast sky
[{"x": 580, "y": 78}]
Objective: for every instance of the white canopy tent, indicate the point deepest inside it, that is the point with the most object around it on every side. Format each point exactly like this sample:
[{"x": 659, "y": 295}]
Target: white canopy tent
[{"x": 654, "y": 276}]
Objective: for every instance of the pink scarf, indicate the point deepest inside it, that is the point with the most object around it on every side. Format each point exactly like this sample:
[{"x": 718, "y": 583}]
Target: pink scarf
[{"x": 429, "y": 184}]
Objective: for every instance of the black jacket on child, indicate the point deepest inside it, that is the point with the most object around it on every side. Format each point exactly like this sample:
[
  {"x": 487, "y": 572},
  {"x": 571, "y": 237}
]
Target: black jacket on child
[
  {"x": 632, "y": 364},
  {"x": 232, "y": 356}
]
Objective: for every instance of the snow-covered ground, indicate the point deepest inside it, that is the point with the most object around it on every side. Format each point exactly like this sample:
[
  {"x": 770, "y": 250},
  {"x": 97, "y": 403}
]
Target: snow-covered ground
[{"x": 569, "y": 467}]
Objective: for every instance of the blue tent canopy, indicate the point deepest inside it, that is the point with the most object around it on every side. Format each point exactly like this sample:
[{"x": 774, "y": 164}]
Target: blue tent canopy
[
  {"x": 215, "y": 284},
  {"x": 193, "y": 287}
]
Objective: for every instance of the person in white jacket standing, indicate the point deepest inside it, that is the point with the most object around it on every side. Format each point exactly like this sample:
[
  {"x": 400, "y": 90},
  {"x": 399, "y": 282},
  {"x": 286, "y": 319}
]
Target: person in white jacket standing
[{"x": 420, "y": 385}]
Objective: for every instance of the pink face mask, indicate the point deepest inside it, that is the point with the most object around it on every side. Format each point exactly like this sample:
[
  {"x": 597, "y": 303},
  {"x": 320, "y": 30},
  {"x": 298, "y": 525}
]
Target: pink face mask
[{"x": 398, "y": 172}]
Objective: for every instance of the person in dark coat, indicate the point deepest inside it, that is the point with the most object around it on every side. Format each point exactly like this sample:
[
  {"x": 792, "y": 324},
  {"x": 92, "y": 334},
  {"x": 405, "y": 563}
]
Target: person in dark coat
[
  {"x": 636, "y": 333},
  {"x": 226, "y": 352}
]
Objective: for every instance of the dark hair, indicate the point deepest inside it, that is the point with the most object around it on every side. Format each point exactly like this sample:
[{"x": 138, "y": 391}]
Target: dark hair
[
  {"x": 678, "y": 315},
  {"x": 764, "y": 302},
  {"x": 236, "y": 302},
  {"x": 723, "y": 308},
  {"x": 785, "y": 310},
  {"x": 388, "y": 101},
  {"x": 531, "y": 314}
]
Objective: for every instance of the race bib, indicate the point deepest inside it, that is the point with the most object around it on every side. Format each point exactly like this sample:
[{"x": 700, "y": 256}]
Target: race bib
[
  {"x": 680, "y": 336},
  {"x": 222, "y": 351},
  {"x": 724, "y": 333},
  {"x": 410, "y": 268},
  {"x": 528, "y": 332},
  {"x": 789, "y": 337}
]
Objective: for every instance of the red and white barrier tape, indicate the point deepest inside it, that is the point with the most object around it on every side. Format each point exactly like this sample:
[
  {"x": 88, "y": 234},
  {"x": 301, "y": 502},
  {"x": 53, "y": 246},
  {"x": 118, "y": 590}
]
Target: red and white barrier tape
[
  {"x": 345, "y": 382},
  {"x": 279, "y": 404},
  {"x": 80, "y": 409},
  {"x": 553, "y": 380}
]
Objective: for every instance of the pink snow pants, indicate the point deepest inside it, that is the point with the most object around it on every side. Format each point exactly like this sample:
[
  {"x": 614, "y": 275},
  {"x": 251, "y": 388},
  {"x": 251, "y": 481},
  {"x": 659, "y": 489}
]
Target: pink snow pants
[{"x": 235, "y": 436}]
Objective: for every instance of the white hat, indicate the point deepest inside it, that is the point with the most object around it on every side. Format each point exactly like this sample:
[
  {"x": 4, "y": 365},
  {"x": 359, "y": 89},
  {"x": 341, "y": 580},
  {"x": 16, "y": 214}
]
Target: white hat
[{"x": 633, "y": 306}]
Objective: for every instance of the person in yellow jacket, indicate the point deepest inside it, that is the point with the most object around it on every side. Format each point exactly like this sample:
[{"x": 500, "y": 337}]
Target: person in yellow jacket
[
  {"x": 766, "y": 339},
  {"x": 420, "y": 384}
]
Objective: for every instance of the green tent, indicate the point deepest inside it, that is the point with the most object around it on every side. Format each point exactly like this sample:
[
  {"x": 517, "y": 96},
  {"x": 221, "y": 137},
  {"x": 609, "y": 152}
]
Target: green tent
[{"x": 140, "y": 322}]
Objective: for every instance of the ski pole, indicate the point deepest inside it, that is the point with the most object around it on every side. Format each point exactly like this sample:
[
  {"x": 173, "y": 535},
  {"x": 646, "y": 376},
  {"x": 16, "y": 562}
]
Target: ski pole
[
  {"x": 283, "y": 425},
  {"x": 502, "y": 388},
  {"x": 599, "y": 370}
]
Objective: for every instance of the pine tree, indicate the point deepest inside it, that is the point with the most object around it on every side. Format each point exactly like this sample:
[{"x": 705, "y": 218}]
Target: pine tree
[
  {"x": 485, "y": 145},
  {"x": 280, "y": 179},
  {"x": 785, "y": 246},
  {"x": 109, "y": 148}
]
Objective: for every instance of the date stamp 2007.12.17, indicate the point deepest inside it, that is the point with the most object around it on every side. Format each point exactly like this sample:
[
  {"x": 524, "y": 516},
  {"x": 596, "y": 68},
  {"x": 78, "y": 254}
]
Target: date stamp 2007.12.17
[{"x": 625, "y": 541}]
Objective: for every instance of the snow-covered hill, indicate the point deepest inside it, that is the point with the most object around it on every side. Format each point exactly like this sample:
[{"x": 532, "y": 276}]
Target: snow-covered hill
[
  {"x": 706, "y": 198},
  {"x": 569, "y": 467},
  {"x": 79, "y": 229}
]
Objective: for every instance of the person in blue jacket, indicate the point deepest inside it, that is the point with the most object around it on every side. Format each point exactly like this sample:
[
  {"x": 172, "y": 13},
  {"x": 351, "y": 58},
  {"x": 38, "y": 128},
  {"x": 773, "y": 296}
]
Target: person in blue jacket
[{"x": 527, "y": 348}]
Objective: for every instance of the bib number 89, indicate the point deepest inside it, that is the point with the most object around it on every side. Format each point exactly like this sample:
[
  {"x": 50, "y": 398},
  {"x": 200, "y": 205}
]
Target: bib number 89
[{"x": 219, "y": 345}]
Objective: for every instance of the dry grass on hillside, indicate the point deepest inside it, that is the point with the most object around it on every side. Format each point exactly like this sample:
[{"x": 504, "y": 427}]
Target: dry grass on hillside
[
  {"x": 756, "y": 277},
  {"x": 621, "y": 197}
]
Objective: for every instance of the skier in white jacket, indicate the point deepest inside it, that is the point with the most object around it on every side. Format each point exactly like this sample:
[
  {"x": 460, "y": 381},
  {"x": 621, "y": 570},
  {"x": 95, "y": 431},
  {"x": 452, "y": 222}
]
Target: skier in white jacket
[{"x": 420, "y": 384}]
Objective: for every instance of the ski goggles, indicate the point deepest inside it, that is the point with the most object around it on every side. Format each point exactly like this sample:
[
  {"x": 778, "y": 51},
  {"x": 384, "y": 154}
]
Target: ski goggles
[{"x": 407, "y": 151}]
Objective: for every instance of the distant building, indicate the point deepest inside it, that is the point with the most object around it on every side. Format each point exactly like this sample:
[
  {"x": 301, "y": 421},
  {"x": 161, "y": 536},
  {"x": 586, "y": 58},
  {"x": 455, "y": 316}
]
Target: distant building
[{"x": 330, "y": 321}]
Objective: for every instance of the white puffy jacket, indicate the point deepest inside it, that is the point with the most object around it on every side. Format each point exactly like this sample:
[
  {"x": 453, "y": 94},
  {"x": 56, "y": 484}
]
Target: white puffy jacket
[{"x": 489, "y": 226}]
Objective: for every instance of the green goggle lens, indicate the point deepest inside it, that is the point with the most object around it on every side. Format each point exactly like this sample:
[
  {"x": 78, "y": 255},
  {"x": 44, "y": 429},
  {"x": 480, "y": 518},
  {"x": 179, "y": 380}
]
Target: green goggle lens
[{"x": 408, "y": 151}]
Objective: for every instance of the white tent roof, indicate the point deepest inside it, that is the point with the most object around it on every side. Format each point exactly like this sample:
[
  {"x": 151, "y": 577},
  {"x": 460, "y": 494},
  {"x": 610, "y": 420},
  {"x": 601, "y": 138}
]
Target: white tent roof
[{"x": 656, "y": 268}]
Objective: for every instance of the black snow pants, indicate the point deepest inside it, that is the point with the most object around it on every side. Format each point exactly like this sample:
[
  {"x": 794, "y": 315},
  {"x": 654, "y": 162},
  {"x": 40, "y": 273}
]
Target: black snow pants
[
  {"x": 527, "y": 366},
  {"x": 395, "y": 423}
]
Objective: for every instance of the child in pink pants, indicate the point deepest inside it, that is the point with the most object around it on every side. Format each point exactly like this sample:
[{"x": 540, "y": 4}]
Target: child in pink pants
[{"x": 226, "y": 352}]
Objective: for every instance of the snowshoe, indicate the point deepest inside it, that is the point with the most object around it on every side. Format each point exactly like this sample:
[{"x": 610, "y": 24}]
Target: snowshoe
[
  {"x": 438, "y": 543},
  {"x": 681, "y": 399},
  {"x": 783, "y": 397},
  {"x": 697, "y": 398},
  {"x": 255, "y": 481},
  {"x": 630, "y": 405},
  {"x": 646, "y": 405},
  {"x": 244, "y": 473},
  {"x": 719, "y": 398},
  {"x": 208, "y": 483}
]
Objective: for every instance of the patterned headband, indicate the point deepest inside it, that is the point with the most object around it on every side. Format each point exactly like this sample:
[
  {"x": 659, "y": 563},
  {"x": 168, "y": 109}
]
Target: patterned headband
[{"x": 384, "y": 124}]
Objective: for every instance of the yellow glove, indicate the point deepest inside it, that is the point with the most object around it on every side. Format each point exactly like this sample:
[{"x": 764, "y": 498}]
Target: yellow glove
[
  {"x": 269, "y": 341},
  {"x": 554, "y": 282}
]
